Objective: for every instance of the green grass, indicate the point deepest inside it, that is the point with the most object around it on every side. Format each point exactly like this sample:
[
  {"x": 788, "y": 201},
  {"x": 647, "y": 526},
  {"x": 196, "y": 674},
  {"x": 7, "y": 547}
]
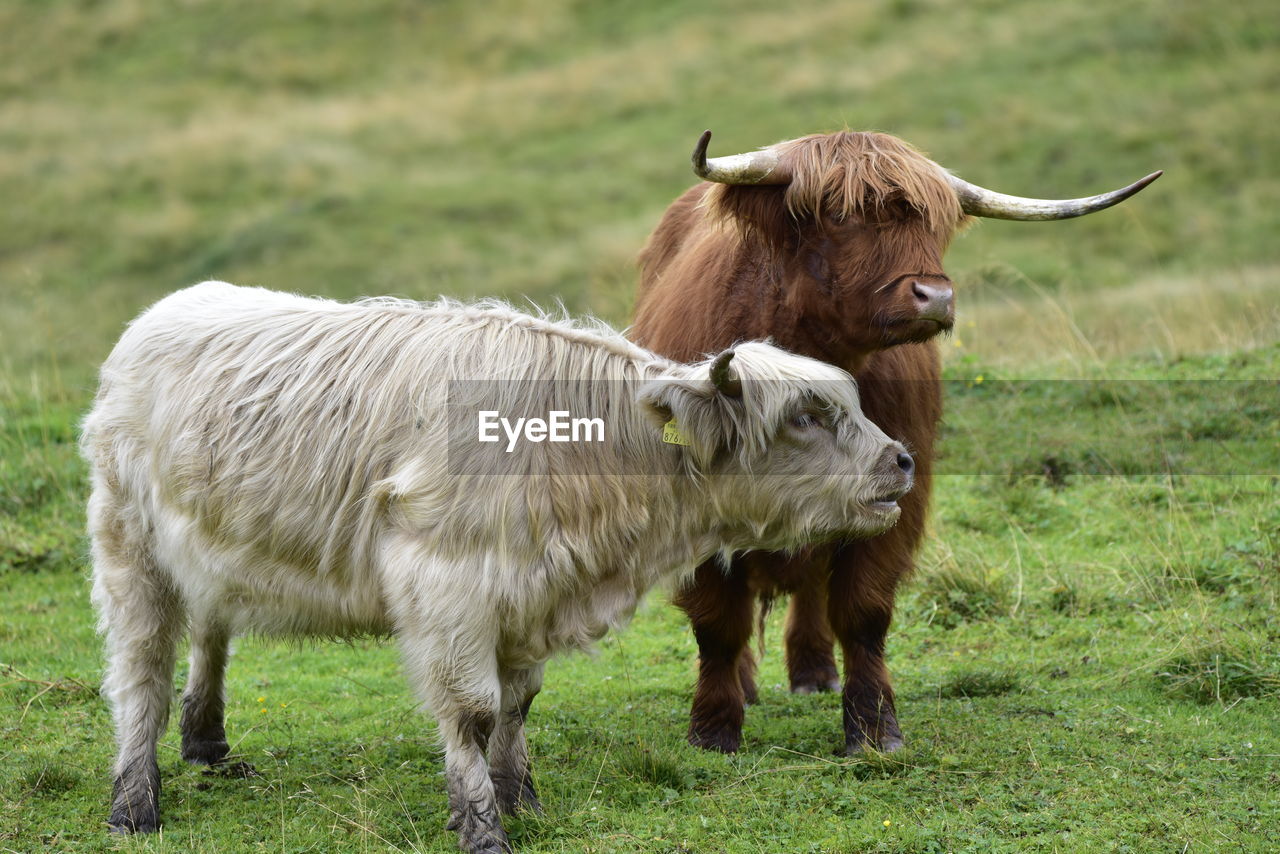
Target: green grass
[
  {"x": 1086, "y": 658},
  {"x": 1085, "y": 663}
]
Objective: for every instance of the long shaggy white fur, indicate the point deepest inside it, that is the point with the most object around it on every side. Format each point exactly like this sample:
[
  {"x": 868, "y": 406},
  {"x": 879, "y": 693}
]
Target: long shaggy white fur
[{"x": 267, "y": 462}]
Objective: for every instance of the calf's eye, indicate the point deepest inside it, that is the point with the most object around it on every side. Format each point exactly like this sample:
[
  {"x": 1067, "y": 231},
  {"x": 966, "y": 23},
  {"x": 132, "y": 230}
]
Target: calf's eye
[{"x": 804, "y": 421}]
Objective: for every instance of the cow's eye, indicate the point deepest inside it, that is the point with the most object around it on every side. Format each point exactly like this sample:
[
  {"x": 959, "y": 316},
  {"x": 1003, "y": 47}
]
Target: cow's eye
[{"x": 805, "y": 421}]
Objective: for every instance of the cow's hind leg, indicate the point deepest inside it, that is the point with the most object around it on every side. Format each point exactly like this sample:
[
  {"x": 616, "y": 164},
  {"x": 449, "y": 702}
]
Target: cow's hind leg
[
  {"x": 508, "y": 749},
  {"x": 204, "y": 737},
  {"x": 719, "y": 605},
  {"x": 747, "y": 677},
  {"x": 142, "y": 616}
]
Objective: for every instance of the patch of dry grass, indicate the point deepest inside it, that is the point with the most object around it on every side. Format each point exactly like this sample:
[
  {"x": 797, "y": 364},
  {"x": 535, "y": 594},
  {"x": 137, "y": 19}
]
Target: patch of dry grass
[{"x": 1164, "y": 316}]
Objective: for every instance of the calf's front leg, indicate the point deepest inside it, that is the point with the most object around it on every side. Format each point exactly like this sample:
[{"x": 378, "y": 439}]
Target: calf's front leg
[
  {"x": 508, "y": 749},
  {"x": 459, "y": 683},
  {"x": 449, "y": 642},
  {"x": 473, "y": 807}
]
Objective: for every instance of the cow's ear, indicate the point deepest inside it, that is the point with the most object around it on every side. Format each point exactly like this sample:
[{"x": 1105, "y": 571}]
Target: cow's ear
[
  {"x": 688, "y": 413},
  {"x": 758, "y": 210}
]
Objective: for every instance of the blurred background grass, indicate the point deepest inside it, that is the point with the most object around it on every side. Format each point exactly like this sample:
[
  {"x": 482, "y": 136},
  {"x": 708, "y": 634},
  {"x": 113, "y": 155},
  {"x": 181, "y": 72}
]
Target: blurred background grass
[{"x": 527, "y": 149}]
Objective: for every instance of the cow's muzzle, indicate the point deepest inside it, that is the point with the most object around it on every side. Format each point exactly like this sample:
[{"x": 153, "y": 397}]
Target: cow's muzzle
[{"x": 933, "y": 301}]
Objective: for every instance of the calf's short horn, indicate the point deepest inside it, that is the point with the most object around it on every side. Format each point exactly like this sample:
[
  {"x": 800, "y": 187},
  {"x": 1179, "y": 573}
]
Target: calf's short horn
[{"x": 722, "y": 376}]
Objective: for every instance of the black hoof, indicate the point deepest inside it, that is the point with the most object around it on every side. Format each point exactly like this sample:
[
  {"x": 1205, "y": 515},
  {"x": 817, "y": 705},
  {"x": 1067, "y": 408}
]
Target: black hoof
[
  {"x": 135, "y": 799},
  {"x": 478, "y": 826},
  {"x": 722, "y": 741},
  {"x": 815, "y": 687},
  {"x": 205, "y": 752},
  {"x": 479, "y": 840},
  {"x": 886, "y": 744},
  {"x": 134, "y": 821}
]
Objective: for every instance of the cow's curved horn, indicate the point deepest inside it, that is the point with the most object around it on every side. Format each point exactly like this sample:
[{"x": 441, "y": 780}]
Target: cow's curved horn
[
  {"x": 754, "y": 167},
  {"x": 979, "y": 201},
  {"x": 722, "y": 376}
]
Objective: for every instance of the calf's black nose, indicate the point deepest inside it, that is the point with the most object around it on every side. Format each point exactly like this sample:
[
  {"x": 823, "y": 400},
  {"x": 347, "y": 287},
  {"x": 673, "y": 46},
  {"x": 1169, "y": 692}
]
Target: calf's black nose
[{"x": 906, "y": 464}]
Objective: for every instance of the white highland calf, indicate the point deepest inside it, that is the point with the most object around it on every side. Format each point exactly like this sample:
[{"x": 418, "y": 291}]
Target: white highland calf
[{"x": 264, "y": 462}]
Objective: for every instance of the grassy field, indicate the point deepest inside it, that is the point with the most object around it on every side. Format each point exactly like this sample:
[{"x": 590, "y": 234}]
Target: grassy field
[{"x": 1085, "y": 661}]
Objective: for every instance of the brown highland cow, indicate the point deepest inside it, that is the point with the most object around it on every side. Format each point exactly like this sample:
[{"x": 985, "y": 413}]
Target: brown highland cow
[{"x": 830, "y": 245}]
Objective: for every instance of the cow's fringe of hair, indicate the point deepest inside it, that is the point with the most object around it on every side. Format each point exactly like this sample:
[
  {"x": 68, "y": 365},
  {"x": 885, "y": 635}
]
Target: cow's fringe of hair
[{"x": 853, "y": 173}]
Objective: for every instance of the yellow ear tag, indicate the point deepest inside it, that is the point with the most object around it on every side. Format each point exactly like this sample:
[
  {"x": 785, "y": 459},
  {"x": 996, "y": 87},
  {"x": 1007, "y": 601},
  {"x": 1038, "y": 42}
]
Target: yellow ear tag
[{"x": 671, "y": 434}]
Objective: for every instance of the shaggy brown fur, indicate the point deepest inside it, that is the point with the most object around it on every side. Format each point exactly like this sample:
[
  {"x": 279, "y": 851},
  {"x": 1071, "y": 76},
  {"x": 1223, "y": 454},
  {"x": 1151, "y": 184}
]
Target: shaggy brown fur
[{"x": 827, "y": 266}]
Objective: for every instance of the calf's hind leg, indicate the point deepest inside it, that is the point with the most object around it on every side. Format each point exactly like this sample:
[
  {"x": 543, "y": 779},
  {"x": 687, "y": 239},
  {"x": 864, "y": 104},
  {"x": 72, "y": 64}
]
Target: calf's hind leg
[{"x": 142, "y": 615}]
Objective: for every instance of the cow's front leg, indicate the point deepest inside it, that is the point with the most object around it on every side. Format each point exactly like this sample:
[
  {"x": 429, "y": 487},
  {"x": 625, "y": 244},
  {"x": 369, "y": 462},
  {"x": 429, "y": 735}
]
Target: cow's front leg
[
  {"x": 719, "y": 606},
  {"x": 508, "y": 749},
  {"x": 863, "y": 581}
]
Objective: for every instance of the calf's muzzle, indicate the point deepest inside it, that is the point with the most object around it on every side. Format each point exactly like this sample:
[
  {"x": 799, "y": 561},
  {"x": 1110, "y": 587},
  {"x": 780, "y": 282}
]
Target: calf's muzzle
[{"x": 896, "y": 471}]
